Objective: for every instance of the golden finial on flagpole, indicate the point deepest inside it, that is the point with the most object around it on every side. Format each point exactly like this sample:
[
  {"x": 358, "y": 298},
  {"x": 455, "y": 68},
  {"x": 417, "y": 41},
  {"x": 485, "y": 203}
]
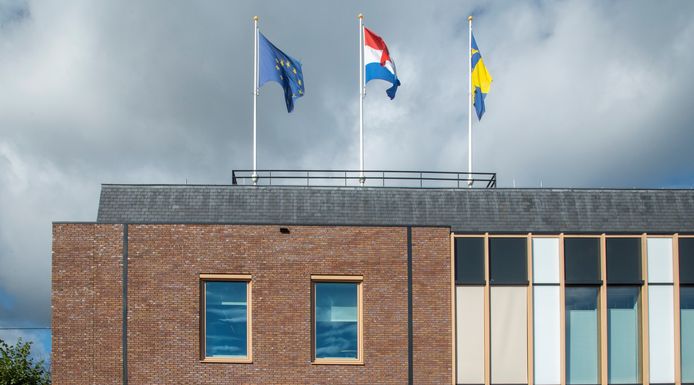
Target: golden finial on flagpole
[
  {"x": 469, "y": 18},
  {"x": 255, "y": 18},
  {"x": 361, "y": 16}
]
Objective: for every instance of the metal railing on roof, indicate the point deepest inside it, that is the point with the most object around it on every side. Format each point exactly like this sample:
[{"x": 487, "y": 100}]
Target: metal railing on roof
[{"x": 371, "y": 178}]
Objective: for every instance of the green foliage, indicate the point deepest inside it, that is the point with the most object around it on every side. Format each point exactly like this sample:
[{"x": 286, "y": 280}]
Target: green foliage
[{"x": 18, "y": 368}]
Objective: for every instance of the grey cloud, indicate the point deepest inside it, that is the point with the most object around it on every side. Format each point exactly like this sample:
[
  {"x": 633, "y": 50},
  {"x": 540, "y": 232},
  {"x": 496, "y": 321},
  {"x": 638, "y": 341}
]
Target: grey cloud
[{"x": 585, "y": 93}]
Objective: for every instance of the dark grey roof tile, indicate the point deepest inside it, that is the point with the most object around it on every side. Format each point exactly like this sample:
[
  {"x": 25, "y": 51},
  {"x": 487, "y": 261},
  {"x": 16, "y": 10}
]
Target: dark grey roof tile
[{"x": 495, "y": 210}]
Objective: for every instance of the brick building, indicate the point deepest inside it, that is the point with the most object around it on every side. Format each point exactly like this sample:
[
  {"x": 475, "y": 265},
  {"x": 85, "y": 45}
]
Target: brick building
[{"x": 238, "y": 284}]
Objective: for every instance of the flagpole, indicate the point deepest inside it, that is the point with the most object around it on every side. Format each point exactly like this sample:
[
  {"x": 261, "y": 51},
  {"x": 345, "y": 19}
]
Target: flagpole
[
  {"x": 469, "y": 105},
  {"x": 362, "y": 179},
  {"x": 254, "y": 176}
]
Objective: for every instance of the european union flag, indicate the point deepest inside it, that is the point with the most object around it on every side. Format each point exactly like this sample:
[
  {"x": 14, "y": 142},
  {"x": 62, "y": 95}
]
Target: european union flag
[{"x": 277, "y": 66}]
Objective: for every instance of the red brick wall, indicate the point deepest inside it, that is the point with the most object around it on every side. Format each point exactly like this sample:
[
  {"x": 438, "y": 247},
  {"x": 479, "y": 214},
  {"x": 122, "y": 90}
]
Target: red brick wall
[
  {"x": 431, "y": 306},
  {"x": 86, "y": 304},
  {"x": 164, "y": 299}
]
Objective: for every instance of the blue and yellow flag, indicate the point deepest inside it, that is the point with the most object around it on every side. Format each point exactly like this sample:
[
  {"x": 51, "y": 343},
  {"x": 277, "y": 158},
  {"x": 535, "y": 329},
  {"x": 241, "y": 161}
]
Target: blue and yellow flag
[
  {"x": 277, "y": 66},
  {"x": 481, "y": 80}
]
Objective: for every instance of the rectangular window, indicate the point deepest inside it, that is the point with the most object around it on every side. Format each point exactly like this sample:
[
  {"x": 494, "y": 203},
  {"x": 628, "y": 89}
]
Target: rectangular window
[
  {"x": 508, "y": 261},
  {"x": 687, "y": 332},
  {"x": 623, "y": 261},
  {"x": 225, "y": 318},
  {"x": 686, "y": 261},
  {"x": 337, "y": 334},
  {"x": 582, "y": 261},
  {"x": 469, "y": 261},
  {"x": 582, "y": 331},
  {"x": 623, "y": 334}
]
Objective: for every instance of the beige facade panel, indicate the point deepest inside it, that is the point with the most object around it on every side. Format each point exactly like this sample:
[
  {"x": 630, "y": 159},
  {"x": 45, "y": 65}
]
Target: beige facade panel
[
  {"x": 509, "y": 335},
  {"x": 470, "y": 336}
]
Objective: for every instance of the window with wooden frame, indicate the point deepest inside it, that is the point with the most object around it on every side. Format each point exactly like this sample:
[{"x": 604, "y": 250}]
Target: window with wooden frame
[
  {"x": 225, "y": 318},
  {"x": 582, "y": 318},
  {"x": 686, "y": 308},
  {"x": 624, "y": 286},
  {"x": 337, "y": 313}
]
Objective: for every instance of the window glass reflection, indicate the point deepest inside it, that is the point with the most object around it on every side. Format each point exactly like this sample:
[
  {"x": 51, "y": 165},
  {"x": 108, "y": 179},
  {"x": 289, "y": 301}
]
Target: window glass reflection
[
  {"x": 336, "y": 320},
  {"x": 226, "y": 311},
  {"x": 623, "y": 335},
  {"x": 582, "y": 335},
  {"x": 687, "y": 328}
]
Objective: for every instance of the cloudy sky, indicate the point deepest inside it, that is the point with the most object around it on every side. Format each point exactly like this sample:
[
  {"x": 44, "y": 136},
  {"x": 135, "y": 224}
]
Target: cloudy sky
[{"x": 585, "y": 94}]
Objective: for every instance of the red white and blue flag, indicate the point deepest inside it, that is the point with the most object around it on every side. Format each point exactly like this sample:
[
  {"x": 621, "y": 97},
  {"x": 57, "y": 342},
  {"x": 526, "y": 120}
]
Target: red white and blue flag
[{"x": 377, "y": 62}]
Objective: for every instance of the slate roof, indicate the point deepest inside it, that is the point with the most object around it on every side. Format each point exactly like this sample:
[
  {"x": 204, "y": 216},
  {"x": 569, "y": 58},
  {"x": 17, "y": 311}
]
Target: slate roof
[{"x": 463, "y": 210}]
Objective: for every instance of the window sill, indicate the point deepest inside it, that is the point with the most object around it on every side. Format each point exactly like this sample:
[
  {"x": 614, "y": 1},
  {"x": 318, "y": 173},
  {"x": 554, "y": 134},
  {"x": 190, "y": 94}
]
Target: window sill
[
  {"x": 213, "y": 360},
  {"x": 329, "y": 361}
]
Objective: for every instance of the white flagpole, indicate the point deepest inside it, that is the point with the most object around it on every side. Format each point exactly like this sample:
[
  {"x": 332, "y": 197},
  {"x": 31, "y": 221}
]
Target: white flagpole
[
  {"x": 362, "y": 179},
  {"x": 254, "y": 176},
  {"x": 469, "y": 105}
]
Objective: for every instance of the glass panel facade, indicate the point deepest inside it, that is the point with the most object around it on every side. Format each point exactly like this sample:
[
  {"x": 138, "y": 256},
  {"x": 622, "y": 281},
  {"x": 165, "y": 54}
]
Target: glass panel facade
[
  {"x": 508, "y": 261},
  {"x": 582, "y": 260},
  {"x": 687, "y": 330},
  {"x": 547, "y": 332},
  {"x": 546, "y": 260},
  {"x": 661, "y": 336},
  {"x": 623, "y": 261},
  {"x": 623, "y": 335},
  {"x": 509, "y": 334},
  {"x": 470, "y": 334},
  {"x": 659, "y": 260},
  {"x": 469, "y": 261},
  {"x": 226, "y": 313},
  {"x": 582, "y": 335},
  {"x": 336, "y": 313}
]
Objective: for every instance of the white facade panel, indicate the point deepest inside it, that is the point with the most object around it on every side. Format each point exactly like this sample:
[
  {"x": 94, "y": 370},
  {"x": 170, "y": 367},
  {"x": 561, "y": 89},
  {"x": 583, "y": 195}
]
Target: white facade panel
[
  {"x": 546, "y": 260},
  {"x": 661, "y": 338},
  {"x": 659, "y": 260},
  {"x": 547, "y": 331}
]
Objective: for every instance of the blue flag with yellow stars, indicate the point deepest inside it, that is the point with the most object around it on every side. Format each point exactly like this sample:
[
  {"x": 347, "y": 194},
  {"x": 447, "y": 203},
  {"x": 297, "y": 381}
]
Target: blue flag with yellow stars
[{"x": 277, "y": 66}]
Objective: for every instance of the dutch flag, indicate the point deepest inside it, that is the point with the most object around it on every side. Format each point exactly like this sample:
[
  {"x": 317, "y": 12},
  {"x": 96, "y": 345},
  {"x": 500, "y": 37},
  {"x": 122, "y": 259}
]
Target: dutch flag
[{"x": 377, "y": 62}]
